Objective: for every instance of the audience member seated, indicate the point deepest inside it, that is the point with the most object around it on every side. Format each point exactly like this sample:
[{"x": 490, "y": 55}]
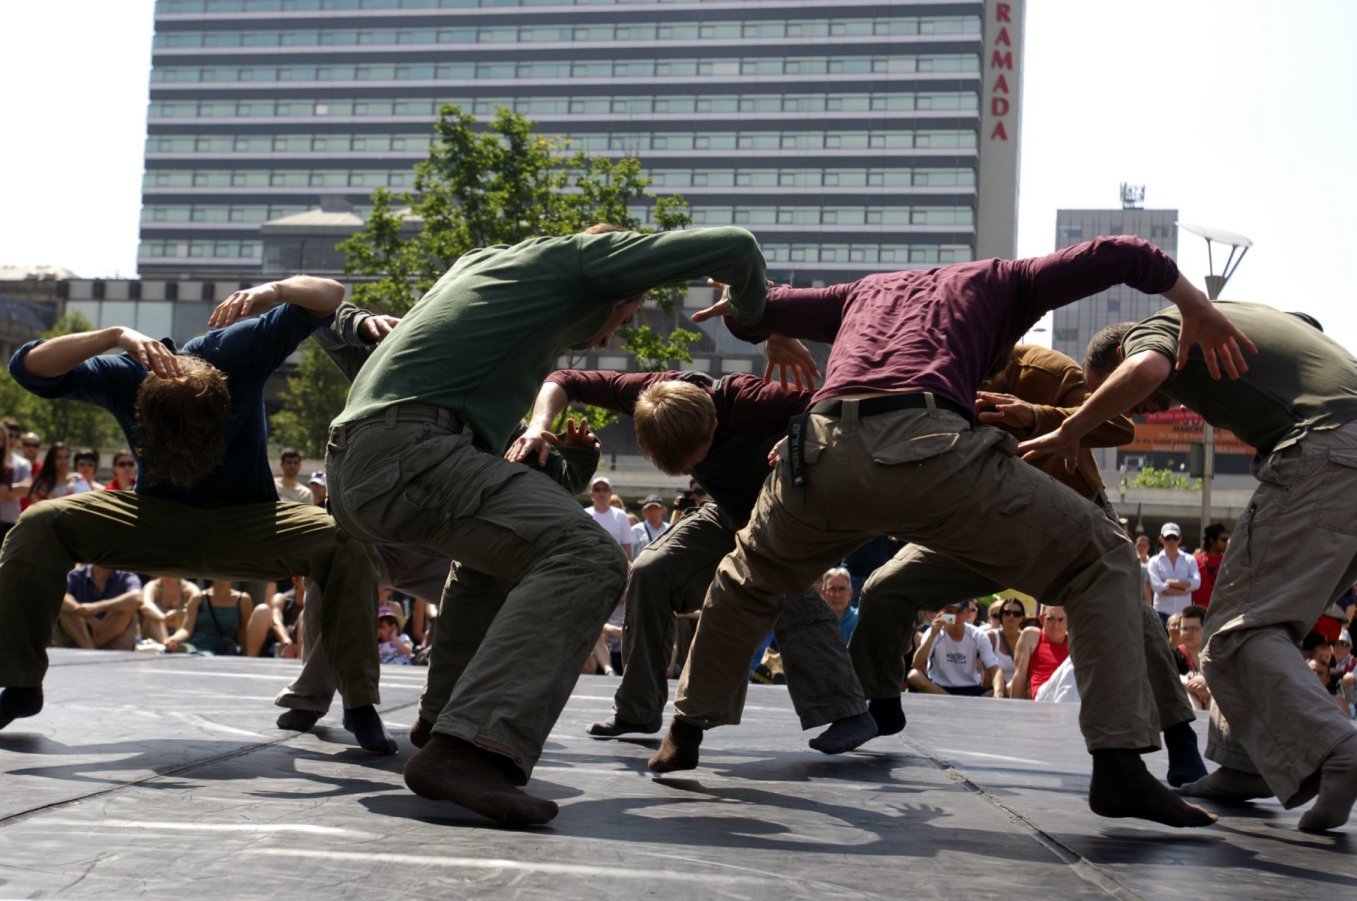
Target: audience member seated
[
  {"x": 1186, "y": 653},
  {"x": 1005, "y": 639},
  {"x": 955, "y": 657},
  {"x": 1040, "y": 651},
  {"x": 393, "y": 646},
  {"x": 284, "y": 625},
  {"x": 164, "y": 610},
  {"x": 223, "y": 621},
  {"x": 56, "y": 478},
  {"x": 87, "y": 467},
  {"x": 124, "y": 472},
  {"x": 100, "y": 609}
]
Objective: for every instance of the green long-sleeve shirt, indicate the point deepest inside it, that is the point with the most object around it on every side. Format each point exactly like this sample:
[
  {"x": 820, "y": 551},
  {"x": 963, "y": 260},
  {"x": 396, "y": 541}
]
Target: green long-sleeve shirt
[{"x": 482, "y": 339}]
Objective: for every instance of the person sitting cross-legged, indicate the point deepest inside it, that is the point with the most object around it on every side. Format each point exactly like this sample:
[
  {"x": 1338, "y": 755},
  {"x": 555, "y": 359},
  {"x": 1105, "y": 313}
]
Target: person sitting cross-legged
[{"x": 955, "y": 658}]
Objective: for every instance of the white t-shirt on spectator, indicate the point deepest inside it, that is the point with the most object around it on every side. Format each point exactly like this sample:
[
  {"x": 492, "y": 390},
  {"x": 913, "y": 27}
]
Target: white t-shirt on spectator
[
  {"x": 614, "y": 522},
  {"x": 951, "y": 664},
  {"x": 1060, "y": 686},
  {"x": 22, "y": 469}
]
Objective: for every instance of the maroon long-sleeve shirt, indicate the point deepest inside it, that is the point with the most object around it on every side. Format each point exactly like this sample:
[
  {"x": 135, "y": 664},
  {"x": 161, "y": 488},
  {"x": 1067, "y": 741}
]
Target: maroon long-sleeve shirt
[
  {"x": 751, "y": 416},
  {"x": 942, "y": 330}
]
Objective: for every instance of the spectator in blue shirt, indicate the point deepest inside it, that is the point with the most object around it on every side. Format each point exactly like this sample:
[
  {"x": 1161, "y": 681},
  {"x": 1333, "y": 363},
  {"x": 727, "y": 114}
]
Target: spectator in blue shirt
[
  {"x": 100, "y": 608},
  {"x": 836, "y": 587},
  {"x": 205, "y": 500}
]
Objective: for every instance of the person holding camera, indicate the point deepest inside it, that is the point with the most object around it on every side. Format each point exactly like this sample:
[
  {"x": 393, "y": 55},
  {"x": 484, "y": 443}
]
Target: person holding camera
[{"x": 950, "y": 660}]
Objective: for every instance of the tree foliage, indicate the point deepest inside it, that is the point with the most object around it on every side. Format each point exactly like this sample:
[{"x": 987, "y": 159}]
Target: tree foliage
[
  {"x": 1149, "y": 477},
  {"x": 78, "y": 424},
  {"x": 500, "y": 184}
]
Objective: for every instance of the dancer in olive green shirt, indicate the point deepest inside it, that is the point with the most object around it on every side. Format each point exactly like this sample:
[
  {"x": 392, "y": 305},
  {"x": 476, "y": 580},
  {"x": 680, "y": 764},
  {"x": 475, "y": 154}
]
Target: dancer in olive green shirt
[{"x": 415, "y": 460}]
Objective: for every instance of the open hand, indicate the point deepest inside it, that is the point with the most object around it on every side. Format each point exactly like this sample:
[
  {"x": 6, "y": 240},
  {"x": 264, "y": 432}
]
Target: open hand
[
  {"x": 995, "y": 408},
  {"x": 150, "y": 353},
  {"x": 790, "y": 354},
  {"x": 376, "y": 327},
  {"x": 242, "y": 303}
]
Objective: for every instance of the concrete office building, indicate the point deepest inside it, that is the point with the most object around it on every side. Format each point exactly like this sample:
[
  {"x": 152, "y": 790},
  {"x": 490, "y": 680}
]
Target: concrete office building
[
  {"x": 1074, "y": 325},
  {"x": 851, "y": 136}
]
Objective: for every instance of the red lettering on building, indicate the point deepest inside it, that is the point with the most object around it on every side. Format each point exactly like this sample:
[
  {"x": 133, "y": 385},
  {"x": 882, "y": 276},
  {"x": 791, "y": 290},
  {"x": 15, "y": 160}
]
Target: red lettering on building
[
  {"x": 1001, "y": 60},
  {"x": 998, "y": 106},
  {"x": 1003, "y": 38},
  {"x": 1001, "y": 12},
  {"x": 999, "y": 132},
  {"x": 1001, "y": 85}
]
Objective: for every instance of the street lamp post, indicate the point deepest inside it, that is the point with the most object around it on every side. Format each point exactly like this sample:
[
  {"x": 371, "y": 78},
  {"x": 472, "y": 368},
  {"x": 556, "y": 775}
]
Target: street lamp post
[{"x": 1214, "y": 285}]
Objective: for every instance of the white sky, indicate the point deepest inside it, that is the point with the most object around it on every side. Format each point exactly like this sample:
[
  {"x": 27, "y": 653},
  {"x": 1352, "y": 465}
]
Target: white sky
[{"x": 1231, "y": 111}]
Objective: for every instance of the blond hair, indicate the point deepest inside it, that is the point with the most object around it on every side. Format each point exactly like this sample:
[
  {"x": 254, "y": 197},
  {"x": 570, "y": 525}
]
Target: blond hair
[{"x": 673, "y": 420}]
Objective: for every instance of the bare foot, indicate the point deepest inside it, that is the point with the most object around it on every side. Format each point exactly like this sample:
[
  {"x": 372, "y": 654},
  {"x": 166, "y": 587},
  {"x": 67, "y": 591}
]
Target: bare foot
[{"x": 1229, "y": 785}]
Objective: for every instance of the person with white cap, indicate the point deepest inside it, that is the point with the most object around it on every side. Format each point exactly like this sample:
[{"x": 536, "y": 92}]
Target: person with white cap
[
  {"x": 612, "y": 520},
  {"x": 1173, "y": 574},
  {"x": 652, "y": 524}
]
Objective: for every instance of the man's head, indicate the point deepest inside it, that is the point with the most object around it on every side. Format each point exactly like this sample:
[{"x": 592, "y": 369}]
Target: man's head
[
  {"x": 87, "y": 463},
  {"x": 962, "y": 612},
  {"x": 1190, "y": 622},
  {"x": 601, "y": 493},
  {"x": 184, "y": 422},
  {"x": 675, "y": 423},
  {"x": 1174, "y": 627},
  {"x": 29, "y": 445},
  {"x": 836, "y": 587},
  {"x": 653, "y": 509},
  {"x": 1217, "y": 538},
  {"x": 290, "y": 462},
  {"x": 318, "y": 486},
  {"x": 1142, "y": 545},
  {"x": 1171, "y": 536},
  {"x": 1054, "y": 623},
  {"x": 12, "y": 432},
  {"x": 1103, "y": 356}
]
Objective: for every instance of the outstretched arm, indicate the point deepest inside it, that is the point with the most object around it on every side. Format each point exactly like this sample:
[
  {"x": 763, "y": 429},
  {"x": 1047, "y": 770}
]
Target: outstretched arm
[
  {"x": 57, "y": 356},
  {"x": 1133, "y": 381},
  {"x": 318, "y": 296}
]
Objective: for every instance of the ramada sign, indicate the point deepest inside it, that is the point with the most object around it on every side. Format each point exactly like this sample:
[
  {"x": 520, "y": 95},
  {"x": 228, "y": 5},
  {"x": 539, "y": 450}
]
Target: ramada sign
[{"x": 1001, "y": 65}]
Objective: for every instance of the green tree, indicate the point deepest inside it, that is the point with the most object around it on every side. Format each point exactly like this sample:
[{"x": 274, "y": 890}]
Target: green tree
[
  {"x": 1149, "y": 477},
  {"x": 78, "y": 424},
  {"x": 500, "y": 184}
]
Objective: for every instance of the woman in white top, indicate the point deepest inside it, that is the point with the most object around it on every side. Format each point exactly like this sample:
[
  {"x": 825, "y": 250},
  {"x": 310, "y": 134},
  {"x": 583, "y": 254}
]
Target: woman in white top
[
  {"x": 56, "y": 478},
  {"x": 1005, "y": 639}
]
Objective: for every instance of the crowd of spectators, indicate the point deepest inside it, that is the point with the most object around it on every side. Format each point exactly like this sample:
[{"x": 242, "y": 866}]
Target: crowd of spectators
[{"x": 1001, "y": 646}]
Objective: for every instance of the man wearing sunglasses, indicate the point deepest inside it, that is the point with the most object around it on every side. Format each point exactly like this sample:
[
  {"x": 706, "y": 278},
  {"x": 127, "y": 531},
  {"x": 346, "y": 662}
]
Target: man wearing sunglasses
[{"x": 1173, "y": 574}]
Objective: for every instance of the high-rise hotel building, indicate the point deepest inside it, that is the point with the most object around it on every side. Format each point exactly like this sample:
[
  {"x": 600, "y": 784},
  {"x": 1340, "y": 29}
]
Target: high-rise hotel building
[{"x": 849, "y": 136}]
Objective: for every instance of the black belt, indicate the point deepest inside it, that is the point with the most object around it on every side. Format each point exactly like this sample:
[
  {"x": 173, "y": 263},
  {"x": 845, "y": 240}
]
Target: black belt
[{"x": 891, "y": 403}]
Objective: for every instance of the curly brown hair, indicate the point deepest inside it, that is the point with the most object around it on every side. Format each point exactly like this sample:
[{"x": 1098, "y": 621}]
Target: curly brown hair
[{"x": 184, "y": 423}]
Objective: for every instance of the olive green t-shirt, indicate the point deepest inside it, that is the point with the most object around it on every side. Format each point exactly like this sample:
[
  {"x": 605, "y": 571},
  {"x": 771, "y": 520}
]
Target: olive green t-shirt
[
  {"x": 485, "y": 335},
  {"x": 1300, "y": 379}
]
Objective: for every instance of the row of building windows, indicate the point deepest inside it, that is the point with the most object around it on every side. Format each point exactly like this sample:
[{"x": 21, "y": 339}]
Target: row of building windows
[
  {"x": 867, "y": 254},
  {"x": 626, "y": 142},
  {"x": 828, "y": 215},
  {"x": 225, "y": 212},
  {"x": 640, "y": 31},
  {"x": 629, "y": 32},
  {"x": 199, "y": 249},
  {"x": 509, "y": 69},
  {"x": 662, "y": 178},
  {"x": 702, "y": 215},
  {"x": 486, "y": 107},
  {"x": 775, "y": 254}
]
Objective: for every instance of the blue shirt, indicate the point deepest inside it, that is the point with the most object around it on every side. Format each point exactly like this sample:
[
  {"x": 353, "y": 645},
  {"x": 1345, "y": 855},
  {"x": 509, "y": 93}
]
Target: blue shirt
[
  {"x": 247, "y": 351},
  {"x": 848, "y": 623},
  {"x": 80, "y": 585}
]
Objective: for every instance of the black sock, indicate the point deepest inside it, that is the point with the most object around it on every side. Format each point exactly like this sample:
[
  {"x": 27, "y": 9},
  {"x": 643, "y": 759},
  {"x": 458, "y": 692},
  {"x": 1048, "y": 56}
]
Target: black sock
[
  {"x": 16, "y": 703},
  {"x": 889, "y": 715},
  {"x": 366, "y": 725}
]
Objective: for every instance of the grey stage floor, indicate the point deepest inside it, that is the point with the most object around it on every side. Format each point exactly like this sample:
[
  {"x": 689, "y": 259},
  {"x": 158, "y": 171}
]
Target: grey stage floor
[{"x": 165, "y": 777}]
